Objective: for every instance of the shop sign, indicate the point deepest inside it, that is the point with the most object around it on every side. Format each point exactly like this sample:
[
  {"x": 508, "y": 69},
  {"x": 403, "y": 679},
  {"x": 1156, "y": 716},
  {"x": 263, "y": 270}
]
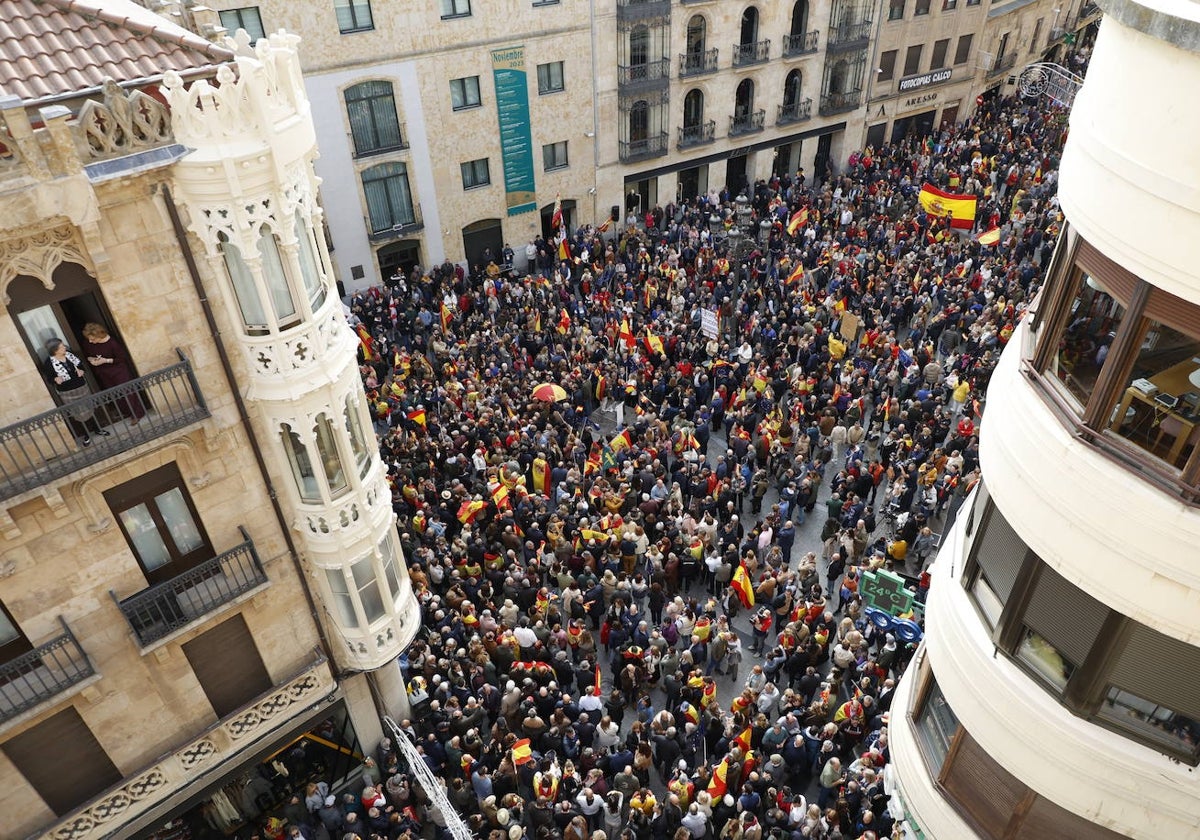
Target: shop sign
[
  {"x": 918, "y": 100},
  {"x": 933, "y": 77}
]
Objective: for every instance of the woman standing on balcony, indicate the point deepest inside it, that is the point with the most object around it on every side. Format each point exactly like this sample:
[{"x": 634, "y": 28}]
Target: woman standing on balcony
[
  {"x": 66, "y": 371},
  {"x": 112, "y": 367}
]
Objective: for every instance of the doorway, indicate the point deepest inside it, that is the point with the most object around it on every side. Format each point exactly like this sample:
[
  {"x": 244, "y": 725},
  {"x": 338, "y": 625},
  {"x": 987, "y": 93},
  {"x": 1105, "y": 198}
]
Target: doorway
[
  {"x": 641, "y": 196},
  {"x": 398, "y": 258},
  {"x": 785, "y": 159},
  {"x": 949, "y": 116},
  {"x": 568, "y": 219},
  {"x": 735, "y": 174},
  {"x": 482, "y": 242},
  {"x": 693, "y": 183},
  {"x": 821, "y": 161},
  {"x": 875, "y": 135}
]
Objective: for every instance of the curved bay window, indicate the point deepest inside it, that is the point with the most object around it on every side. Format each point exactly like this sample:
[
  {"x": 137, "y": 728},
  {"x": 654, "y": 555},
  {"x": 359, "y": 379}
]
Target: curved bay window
[
  {"x": 302, "y": 467},
  {"x": 358, "y": 443},
  {"x": 311, "y": 266},
  {"x": 1120, "y": 361},
  {"x": 1100, "y": 664},
  {"x": 257, "y": 318}
]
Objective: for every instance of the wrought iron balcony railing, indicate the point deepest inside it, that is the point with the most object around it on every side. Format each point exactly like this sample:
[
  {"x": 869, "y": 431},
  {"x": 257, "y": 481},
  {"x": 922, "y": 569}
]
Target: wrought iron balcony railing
[
  {"x": 648, "y": 147},
  {"x": 697, "y": 135},
  {"x": 849, "y": 36},
  {"x": 1003, "y": 64},
  {"x": 42, "y": 448},
  {"x": 752, "y": 53},
  {"x": 838, "y": 103},
  {"x": 804, "y": 42},
  {"x": 42, "y": 673},
  {"x": 698, "y": 63},
  {"x": 644, "y": 75},
  {"x": 165, "y": 607},
  {"x": 793, "y": 112},
  {"x": 747, "y": 123}
]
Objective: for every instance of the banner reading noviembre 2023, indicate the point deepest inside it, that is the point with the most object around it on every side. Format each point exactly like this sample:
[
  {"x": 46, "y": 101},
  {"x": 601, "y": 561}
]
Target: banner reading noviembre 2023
[{"x": 516, "y": 140}]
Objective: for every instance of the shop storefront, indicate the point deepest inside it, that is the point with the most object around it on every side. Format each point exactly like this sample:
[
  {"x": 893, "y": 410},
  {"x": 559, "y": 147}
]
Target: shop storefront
[{"x": 251, "y": 795}]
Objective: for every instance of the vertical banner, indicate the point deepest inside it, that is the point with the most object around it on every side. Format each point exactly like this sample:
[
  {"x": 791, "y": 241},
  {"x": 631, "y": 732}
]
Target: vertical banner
[{"x": 516, "y": 139}]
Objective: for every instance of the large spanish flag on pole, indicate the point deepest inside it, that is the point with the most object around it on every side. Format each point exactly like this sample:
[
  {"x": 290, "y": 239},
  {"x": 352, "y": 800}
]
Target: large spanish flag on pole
[
  {"x": 959, "y": 209},
  {"x": 741, "y": 585}
]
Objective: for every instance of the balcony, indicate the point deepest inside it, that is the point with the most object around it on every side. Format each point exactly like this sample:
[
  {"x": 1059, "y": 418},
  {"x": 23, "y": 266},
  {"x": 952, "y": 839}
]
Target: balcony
[
  {"x": 849, "y": 36},
  {"x": 642, "y": 9},
  {"x": 697, "y": 135},
  {"x": 801, "y": 44},
  {"x": 652, "y": 146},
  {"x": 1088, "y": 9},
  {"x": 1003, "y": 64},
  {"x": 42, "y": 673},
  {"x": 794, "y": 112},
  {"x": 642, "y": 76},
  {"x": 754, "y": 53},
  {"x": 162, "y": 609},
  {"x": 400, "y": 227},
  {"x": 39, "y": 450},
  {"x": 698, "y": 63},
  {"x": 747, "y": 123},
  {"x": 839, "y": 103}
]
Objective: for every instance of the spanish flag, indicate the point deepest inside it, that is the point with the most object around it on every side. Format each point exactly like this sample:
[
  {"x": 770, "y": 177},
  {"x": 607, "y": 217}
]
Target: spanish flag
[
  {"x": 621, "y": 441},
  {"x": 556, "y": 220},
  {"x": 741, "y": 585},
  {"x": 601, "y": 386},
  {"x": 417, "y": 415},
  {"x": 564, "y": 250},
  {"x": 604, "y": 227},
  {"x": 717, "y": 785},
  {"x": 799, "y": 219},
  {"x": 743, "y": 740},
  {"x": 596, "y": 682},
  {"x": 447, "y": 317},
  {"x": 521, "y": 752},
  {"x": 653, "y": 343},
  {"x": 541, "y": 476},
  {"x": 959, "y": 209},
  {"x": 368, "y": 344},
  {"x": 469, "y": 510},
  {"x": 989, "y": 237},
  {"x": 797, "y": 273},
  {"x": 500, "y": 497},
  {"x": 626, "y": 335},
  {"x": 564, "y": 322}
]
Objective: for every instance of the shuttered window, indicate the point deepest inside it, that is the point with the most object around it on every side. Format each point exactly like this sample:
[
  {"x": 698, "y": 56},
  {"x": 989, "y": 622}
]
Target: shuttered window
[
  {"x": 999, "y": 553},
  {"x": 1047, "y": 821},
  {"x": 983, "y": 789},
  {"x": 1159, "y": 668},
  {"x": 226, "y": 662},
  {"x": 1065, "y": 616},
  {"x": 62, "y": 760}
]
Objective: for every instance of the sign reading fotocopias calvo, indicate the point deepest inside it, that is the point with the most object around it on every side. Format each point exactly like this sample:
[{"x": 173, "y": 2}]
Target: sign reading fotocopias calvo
[
  {"x": 516, "y": 142},
  {"x": 921, "y": 80}
]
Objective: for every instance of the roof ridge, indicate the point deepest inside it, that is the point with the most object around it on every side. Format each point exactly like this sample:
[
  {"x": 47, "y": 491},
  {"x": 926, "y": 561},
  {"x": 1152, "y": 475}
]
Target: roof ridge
[{"x": 169, "y": 32}]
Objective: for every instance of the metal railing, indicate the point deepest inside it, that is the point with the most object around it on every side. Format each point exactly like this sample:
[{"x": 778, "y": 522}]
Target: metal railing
[
  {"x": 849, "y": 35},
  {"x": 165, "y": 607},
  {"x": 747, "y": 123},
  {"x": 1003, "y": 64},
  {"x": 639, "y": 75},
  {"x": 400, "y": 227},
  {"x": 794, "y": 112},
  {"x": 753, "y": 53},
  {"x": 42, "y": 673},
  {"x": 697, "y": 135},
  {"x": 696, "y": 63},
  {"x": 652, "y": 146},
  {"x": 1087, "y": 10},
  {"x": 43, "y": 448},
  {"x": 837, "y": 103},
  {"x": 804, "y": 42}
]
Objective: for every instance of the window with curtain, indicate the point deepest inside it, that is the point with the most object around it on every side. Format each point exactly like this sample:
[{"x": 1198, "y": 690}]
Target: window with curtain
[
  {"x": 464, "y": 93},
  {"x": 276, "y": 277},
  {"x": 247, "y": 18},
  {"x": 389, "y": 200},
  {"x": 374, "y": 124},
  {"x": 455, "y": 8},
  {"x": 254, "y": 316},
  {"x": 362, "y": 455},
  {"x": 554, "y": 155},
  {"x": 353, "y": 15},
  {"x": 343, "y": 602},
  {"x": 310, "y": 267},
  {"x": 331, "y": 459},
  {"x": 475, "y": 173},
  {"x": 550, "y": 77},
  {"x": 367, "y": 586},
  {"x": 301, "y": 463}
]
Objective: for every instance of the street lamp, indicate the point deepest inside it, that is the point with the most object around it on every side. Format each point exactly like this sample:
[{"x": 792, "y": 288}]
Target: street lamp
[
  {"x": 743, "y": 210},
  {"x": 764, "y": 231}
]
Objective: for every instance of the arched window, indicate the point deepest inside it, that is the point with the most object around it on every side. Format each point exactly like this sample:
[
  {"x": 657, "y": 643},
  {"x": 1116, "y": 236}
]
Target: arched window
[
  {"x": 374, "y": 126},
  {"x": 838, "y": 77},
  {"x": 791, "y": 89},
  {"x": 743, "y": 102},
  {"x": 639, "y": 45},
  {"x": 693, "y": 108},
  {"x": 749, "y": 26},
  {"x": 697, "y": 31},
  {"x": 799, "y": 18},
  {"x": 639, "y": 121}
]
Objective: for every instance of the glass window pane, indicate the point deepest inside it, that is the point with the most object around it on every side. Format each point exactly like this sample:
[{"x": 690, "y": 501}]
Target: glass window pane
[
  {"x": 302, "y": 468},
  {"x": 368, "y": 589},
  {"x": 335, "y": 475},
  {"x": 173, "y": 508},
  {"x": 143, "y": 533},
  {"x": 244, "y": 288},
  {"x": 936, "y": 727},
  {"x": 389, "y": 568},
  {"x": 362, "y": 455},
  {"x": 1153, "y": 722},
  {"x": 276, "y": 278},
  {"x": 342, "y": 601},
  {"x": 1045, "y": 660},
  {"x": 1091, "y": 326},
  {"x": 8, "y": 630},
  {"x": 309, "y": 268},
  {"x": 1159, "y": 408}
]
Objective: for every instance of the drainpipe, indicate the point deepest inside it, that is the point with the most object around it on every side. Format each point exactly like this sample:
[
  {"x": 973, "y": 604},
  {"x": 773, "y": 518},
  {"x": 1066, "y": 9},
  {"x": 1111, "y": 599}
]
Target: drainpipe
[{"x": 190, "y": 259}]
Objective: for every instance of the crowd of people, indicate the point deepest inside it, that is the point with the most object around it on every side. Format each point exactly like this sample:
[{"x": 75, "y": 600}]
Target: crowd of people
[{"x": 622, "y": 641}]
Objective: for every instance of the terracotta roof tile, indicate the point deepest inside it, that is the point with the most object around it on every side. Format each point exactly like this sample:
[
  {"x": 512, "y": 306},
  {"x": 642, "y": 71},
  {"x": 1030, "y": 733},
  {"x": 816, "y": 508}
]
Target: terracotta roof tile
[{"x": 53, "y": 47}]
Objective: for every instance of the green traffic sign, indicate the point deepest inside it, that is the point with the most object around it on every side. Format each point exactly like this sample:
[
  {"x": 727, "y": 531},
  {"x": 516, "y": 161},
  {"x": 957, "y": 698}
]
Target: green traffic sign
[{"x": 885, "y": 591}]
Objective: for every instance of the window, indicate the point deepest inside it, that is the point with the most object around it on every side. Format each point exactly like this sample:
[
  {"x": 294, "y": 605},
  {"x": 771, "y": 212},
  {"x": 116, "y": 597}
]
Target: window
[
  {"x": 464, "y": 92},
  {"x": 371, "y": 107},
  {"x": 358, "y": 443},
  {"x": 302, "y": 468},
  {"x": 389, "y": 200},
  {"x": 1037, "y": 34},
  {"x": 974, "y": 2},
  {"x": 310, "y": 268},
  {"x": 13, "y": 642},
  {"x": 456, "y": 8},
  {"x": 936, "y": 726},
  {"x": 938, "y": 61},
  {"x": 475, "y": 173},
  {"x": 912, "y": 59},
  {"x": 160, "y": 523},
  {"x": 1095, "y": 317},
  {"x": 367, "y": 586},
  {"x": 896, "y": 9},
  {"x": 353, "y": 15},
  {"x": 390, "y": 568},
  {"x": 276, "y": 277},
  {"x": 343, "y": 602},
  {"x": 550, "y": 77},
  {"x": 227, "y": 665},
  {"x": 62, "y": 760},
  {"x": 554, "y": 155},
  {"x": 963, "y": 52},
  {"x": 922, "y": 8},
  {"x": 254, "y": 317},
  {"x": 887, "y": 66},
  {"x": 247, "y": 18},
  {"x": 949, "y": 5},
  {"x": 331, "y": 459}
]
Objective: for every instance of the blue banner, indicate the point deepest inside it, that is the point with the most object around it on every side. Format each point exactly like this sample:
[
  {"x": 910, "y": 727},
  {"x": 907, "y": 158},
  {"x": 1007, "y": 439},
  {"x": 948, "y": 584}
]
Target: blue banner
[{"x": 516, "y": 136}]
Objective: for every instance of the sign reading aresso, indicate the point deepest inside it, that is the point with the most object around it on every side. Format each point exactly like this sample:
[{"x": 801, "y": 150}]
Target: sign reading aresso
[{"x": 933, "y": 77}]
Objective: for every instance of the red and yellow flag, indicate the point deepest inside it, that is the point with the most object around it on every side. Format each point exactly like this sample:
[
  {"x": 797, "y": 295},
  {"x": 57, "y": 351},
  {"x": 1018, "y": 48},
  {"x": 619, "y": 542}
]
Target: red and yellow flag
[
  {"x": 743, "y": 740},
  {"x": 596, "y": 682},
  {"x": 653, "y": 343},
  {"x": 368, "y": 344},
  {"x": 958, "y": 209},
  {"x": 626, "y": 335},
  {"x": 417, "y": 415},
  {"x": 717, "y": 785},
  {"x": 469, "y": 510},
  {"x": 564, "y": 250},
  {"x": 797, "y": 274},
  {"x": 741, "y": 585},
  {"x": 564, "y": 322},
  {"x": 799, "y": 219},
  {"x": 521, "y": 752},
  {"x": 447, "y": 317},
  {"x": 989, "y": 237}
]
